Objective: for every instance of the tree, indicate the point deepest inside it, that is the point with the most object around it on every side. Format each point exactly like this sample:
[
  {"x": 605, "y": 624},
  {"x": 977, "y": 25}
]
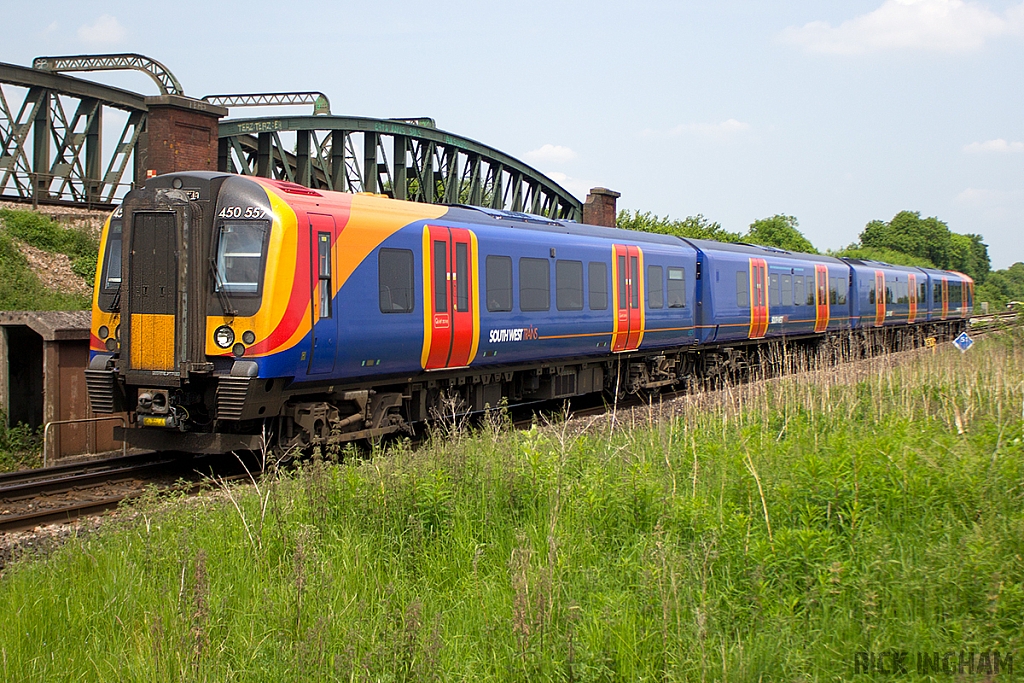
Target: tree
[
  {"x": 931, "y": 239},
  {"x": 779, "y": 231},
  {"x": 693, "y": 227},
  {"x": 884, "y": 255},
  {"x": 1002, "y": 286}
]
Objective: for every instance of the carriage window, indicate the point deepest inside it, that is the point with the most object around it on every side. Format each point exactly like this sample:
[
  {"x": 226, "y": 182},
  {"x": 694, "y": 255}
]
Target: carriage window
[
  {"x": 461, "y": 276},
  {"x": 871, "y": 294},
  {"x": 240, "y": 256},
  {"x": 798, "y": 290},
  {"x": 676, "y": 291},
  {"x": 937, "y": 294},
  {"x": 888, "y": 292},
  {"x": 394, "y": 280},
  {"x": 922, "y": 293},
  {"x": 323, "y": 259},
  {"x": 810, "y": 289},
  {"x": 787, "y": 290},
  {"x": 440, "y": 276},
  {"x": 534, "y": 284},
  {"x": 597, "y": 274},
  {"x": 622, "y": 281},
  {"x": 743, "y": 289},
  {"x": 654, "y": 291},
  {"x": 634, "y": 290},
  {"x": 773, "y": 289},
  {"x": 569, "y": 285},
  {"x": 112, "y": 272},
  {"x": 844, "y": 287},
  {"x": 499, "y": 283},
  {"x": 833, "y": 290}
]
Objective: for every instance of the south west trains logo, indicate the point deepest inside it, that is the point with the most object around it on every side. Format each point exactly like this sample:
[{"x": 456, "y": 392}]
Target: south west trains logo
[{"x": 514, "y": 334}]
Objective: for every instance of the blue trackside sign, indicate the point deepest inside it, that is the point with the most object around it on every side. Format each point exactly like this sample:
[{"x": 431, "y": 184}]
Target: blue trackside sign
[{"x": 963, "y": 342}]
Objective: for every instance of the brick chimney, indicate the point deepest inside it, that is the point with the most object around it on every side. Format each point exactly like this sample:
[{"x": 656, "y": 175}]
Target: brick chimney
[{"x": 599, "y": 209}]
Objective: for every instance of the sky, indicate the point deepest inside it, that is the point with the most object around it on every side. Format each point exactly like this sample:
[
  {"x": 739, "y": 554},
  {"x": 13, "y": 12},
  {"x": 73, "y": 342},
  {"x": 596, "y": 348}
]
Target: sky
[{"x": 836, "y": 113}]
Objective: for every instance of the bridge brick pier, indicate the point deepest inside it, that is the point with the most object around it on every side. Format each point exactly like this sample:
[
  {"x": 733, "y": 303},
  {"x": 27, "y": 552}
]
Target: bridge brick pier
[{"x": 181, "y": 135}]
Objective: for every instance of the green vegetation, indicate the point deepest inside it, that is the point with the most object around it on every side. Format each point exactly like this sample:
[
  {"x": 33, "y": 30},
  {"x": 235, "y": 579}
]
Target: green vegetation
[
  {"x": 693, "y": 227},
  {"x": 1002, "y": 286},
  {"x": 907, "y": 240},
  {"x": 883, "y": 255},
  {"x": 779, "y": 231},
  {"x": 767, "y": 532},
  {"x": 20, "y": 447},
  {"x": 931, "y": 239},
  {"x": 20, "y": 289}
]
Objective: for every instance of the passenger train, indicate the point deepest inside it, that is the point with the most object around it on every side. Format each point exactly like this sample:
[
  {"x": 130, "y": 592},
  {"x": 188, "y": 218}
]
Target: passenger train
[{"x": 228, "y": 308}]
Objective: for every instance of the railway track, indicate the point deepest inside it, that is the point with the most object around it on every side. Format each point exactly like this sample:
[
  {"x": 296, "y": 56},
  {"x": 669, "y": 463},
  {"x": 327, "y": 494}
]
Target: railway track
[{"x": 65, "y": 493}]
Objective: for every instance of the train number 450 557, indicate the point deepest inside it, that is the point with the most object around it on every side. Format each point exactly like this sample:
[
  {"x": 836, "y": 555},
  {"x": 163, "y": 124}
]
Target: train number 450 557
[{"x": 241, "y": 212}]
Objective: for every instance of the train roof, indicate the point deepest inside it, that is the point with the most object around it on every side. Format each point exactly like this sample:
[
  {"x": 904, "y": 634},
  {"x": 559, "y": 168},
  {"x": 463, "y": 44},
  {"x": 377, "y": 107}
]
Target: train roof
[
  {"x": 761, "y": 250},
  {"x": 871, "y": 263},
  {"x": 526, "y": 221}
]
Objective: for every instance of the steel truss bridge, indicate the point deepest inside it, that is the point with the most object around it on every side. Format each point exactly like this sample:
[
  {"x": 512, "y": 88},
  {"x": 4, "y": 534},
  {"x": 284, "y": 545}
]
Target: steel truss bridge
[{"x": 52, "y": 130}]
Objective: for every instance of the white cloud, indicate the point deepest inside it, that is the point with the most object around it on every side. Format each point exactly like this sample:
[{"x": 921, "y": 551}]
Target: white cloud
[
  {"x": 723, "y": 130},
  {"x": 576, "y": 187},
  {"x": 551, "y": 154},
  {"x": 997, "y": 146},
  {"x": 931, "y": 25},
  {"x": 51, "y": 28},
  {"x": 106, "y": 30}
]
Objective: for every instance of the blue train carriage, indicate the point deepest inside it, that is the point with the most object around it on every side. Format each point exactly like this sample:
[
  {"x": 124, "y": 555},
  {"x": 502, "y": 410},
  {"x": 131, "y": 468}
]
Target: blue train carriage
[
  {"x": 750, "y": 292},
  {"x": 886, "y": 294},
  {"x": 498, "y": 291},
  {"x": 949, "y": 296}
]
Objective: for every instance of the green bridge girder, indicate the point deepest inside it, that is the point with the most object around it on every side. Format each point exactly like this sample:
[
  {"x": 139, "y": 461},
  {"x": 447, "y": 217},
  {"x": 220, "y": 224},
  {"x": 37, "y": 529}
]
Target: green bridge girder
[
  {"x": 52, "y": 150},
  {"x": 397, "y": 157}
]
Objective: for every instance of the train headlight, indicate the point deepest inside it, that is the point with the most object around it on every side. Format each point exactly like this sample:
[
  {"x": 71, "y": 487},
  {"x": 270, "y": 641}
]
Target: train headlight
[
  {"x": 104, "y": 331},
  {"x": 224, "y": 337}
]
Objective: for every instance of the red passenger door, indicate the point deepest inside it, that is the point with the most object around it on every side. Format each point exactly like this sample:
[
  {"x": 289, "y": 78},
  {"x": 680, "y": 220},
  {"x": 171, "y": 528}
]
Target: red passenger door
[
  {"x": 758, "y": 298},
  {"x": 821, "y": 304},
  {"x": 627, "y": 283},
  {"x": 945, "y": 298},
  {"x": 879, "y": 298},
  {"x": 912, "y": 287},
  {"x": 451, "y": 311}
]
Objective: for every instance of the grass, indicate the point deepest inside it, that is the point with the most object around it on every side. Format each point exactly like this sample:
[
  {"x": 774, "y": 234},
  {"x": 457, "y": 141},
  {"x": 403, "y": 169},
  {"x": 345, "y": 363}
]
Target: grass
[
  {"x": 765, "y": 532},
  {"x": 20, "y": 447},
  {"x": 20, "y": 289}
]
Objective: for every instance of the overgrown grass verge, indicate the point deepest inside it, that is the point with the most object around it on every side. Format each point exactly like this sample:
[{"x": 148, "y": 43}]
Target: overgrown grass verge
[
  {"x": 20, "y": 289},
  {"x": 768, "y": 532}
]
